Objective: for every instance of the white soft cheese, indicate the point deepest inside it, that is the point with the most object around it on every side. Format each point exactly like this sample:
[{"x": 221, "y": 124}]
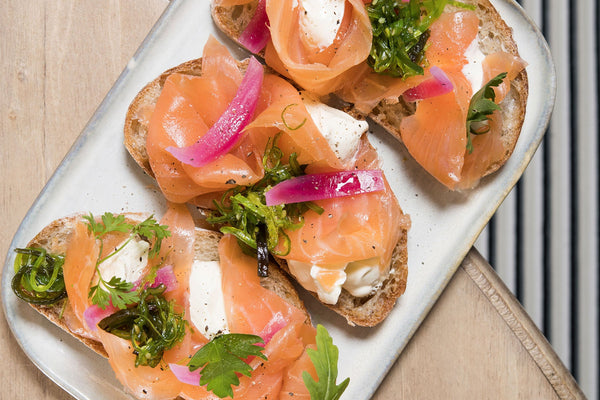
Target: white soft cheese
[
  {"x": 320, "y": 21},
  {"x": 207, "y": 307},
  {"x": 332, "y": 295},
  {"x": 360, "y": 278},
  {"x": 128, "y": 263},
  {"x": 473, "y": 69},
  {"x": 341, "y": 130}
]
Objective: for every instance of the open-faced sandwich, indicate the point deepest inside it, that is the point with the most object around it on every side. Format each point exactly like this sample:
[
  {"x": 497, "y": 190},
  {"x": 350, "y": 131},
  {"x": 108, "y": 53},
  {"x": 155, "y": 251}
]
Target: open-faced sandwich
[
  {"x": 443, "y": 76},
  {"x": 179, "y": 311},
  {"x": 284, "y": 173}
]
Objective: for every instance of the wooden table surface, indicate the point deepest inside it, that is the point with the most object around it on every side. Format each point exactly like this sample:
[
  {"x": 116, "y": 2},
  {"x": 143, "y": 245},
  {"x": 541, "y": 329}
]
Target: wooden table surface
[{"x": 59, "y": 59}]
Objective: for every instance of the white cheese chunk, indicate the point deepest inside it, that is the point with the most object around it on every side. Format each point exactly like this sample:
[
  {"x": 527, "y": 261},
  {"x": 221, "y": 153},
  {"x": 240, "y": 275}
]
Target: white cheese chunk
[
  {"x": 327, "y": 296},
  {"x": 342, "y": 131},
  {"x": 363, "y": 277},
  {"x": 473, "y": 69},
  {"x": 320, "y": 21},
  {"x": 128, "y": 263},
  {"x": 360, "y": 278},
  {"x": 207, "y": 306}
]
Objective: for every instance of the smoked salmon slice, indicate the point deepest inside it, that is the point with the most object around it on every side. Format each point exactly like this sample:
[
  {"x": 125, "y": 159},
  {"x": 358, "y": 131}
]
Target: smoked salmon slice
[
  {"x": 435, "y": 135},
  {"x": 251, "y": 309},
  {"x": 189, "y": 105}
]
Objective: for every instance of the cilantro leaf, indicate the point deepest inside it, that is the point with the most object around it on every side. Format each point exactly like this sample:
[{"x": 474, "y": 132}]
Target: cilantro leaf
[
  {"x": 116, "y": 290},
  {"x": 151, "y": 230},
  {"x": 325, "y": 359},
  {"x": 481, "y": 106},
  {"x": 222, "y": 358},
  {"x": 110, "y": 223}
]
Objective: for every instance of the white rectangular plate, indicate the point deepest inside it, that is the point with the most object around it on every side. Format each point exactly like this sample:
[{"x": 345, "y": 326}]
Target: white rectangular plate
[{"x": 444, "y": 224}]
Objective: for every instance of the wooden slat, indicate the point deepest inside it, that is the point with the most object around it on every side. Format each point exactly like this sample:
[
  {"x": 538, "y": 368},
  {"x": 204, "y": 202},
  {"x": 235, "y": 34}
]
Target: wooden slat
[{"x": 478, "y": 342}]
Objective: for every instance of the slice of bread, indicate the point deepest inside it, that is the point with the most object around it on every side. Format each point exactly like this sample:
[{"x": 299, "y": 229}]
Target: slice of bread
[
  {"x": 494, "y": 35},
  {"x": 55, "y": 239},
  {"x": 365, "y": 311}
]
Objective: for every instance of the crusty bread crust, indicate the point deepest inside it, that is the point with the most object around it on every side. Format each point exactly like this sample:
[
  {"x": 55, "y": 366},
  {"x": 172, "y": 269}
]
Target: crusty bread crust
[
  {"x": 367, "y": 311},
  {"x": 55, "y": 238},
  {"x": 494, "y": 35}
]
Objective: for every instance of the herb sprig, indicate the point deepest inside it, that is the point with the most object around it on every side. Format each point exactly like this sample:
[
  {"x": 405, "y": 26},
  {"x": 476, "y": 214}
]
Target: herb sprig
[
  {"x": 222, "y": 359},
  {"x": 400, "y": 34},
  {"x": 481, "y": 106},
  {"x": 116, "y": 290}
]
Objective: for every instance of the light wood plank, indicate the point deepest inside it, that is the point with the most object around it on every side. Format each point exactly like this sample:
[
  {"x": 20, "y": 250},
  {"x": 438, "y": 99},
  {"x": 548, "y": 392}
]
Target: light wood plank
[{"x": 58, "y": 62}]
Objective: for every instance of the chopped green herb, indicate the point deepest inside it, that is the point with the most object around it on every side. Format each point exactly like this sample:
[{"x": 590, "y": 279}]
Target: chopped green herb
[
  {"x": 222, "y": 359},
  {"x": 153, "y": 326},
  {"x": 243, "y": 208},
  {"x": 481, "y": 106}
]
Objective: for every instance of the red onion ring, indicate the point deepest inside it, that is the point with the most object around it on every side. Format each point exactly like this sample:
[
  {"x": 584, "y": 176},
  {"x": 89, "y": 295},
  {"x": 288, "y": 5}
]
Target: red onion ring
[
  {"x": 223, "y": 135},
  {"x": 325, "y": 186},
  {"x": 257, "y": 33},
  {"x": 437, "y": 85}
]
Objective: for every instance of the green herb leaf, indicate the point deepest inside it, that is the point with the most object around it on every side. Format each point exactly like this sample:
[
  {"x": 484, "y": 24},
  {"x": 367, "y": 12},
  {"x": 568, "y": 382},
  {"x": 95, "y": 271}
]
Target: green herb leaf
[
  {"x": 152, "y": 231},
  {"x": 325, "y": 359},
  {"x": 116, "y": 290},
  {"x": 481, "y": 106},
  {"x": 400, "y": 34},
  {"x": 243, "y": 209},
  {"x": 222, "y": 359},
  {"x": 110, "y": 223}
]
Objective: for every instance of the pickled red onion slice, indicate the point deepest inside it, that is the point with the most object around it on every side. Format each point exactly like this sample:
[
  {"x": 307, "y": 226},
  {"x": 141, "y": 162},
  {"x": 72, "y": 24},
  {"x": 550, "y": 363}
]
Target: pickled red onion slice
[
  {"x": 257, "y": 34},
  {"x": 165, "y": 276},
  {"x": 437, "y": 85},
  {"x": 94, "y": 314},
  {"x": 325, "y": 186},
  {"x": 276, "y": 323},
  {"x": 183, "y": 374},
  {"x": 223, "y": 135}
]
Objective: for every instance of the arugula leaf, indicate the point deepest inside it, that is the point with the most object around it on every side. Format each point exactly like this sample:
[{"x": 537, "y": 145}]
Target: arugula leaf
[
  {"x": 325, "y": 359},
  {"x": 400, "y": 34},
  {"x": 222, "y": 358},
  {"x": 481, "y": 106}
]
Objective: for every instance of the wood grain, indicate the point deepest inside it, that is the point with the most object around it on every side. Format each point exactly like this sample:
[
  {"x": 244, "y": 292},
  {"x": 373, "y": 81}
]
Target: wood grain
[{"x": 58, "y": 61}]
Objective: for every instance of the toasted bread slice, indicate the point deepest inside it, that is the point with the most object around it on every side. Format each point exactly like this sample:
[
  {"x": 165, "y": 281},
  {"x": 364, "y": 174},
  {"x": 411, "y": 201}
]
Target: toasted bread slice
[
  {"x": 365, "y": 311},
  {"x": 55, "y": 239},
  {"x": 494, "y": 35}
]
